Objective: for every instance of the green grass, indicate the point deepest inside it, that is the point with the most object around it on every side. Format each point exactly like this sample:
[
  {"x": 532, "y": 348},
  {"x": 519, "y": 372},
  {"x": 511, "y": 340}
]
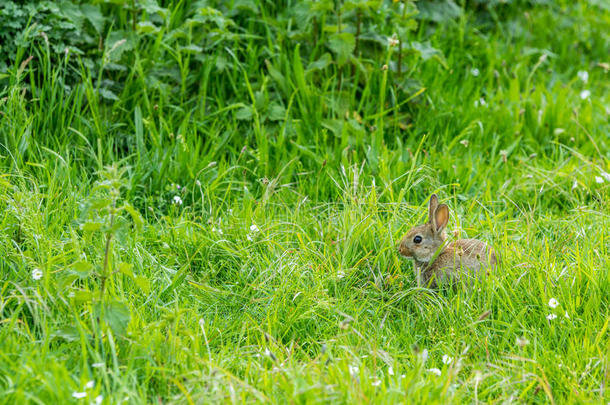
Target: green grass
[{"x": 277, "y": 278}]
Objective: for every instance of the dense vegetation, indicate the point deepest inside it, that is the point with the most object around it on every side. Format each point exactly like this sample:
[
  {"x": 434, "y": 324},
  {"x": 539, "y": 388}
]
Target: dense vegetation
[{"x": 200, "y": 201}]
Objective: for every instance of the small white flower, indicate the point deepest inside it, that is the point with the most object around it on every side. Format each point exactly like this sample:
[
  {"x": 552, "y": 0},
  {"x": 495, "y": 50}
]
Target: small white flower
[
  {"x": 393, "y": 40},
  {"x": 217, "y": 230},
  {"x": 599, "y": 180},
  {"x": 475, "y": 72},
  {"x": 177, "y": 200},
  {"x": 553, "y": 303},
  {"x": 79, "y": 395},
  {"x": 464, "y": 142},
  {"x": 424, "y": 355},
  {"x": 353, "y": 370},
  {"x": 178, "y": 186},
  {"x": 36, "y": 274},
  {"x": 550, "y": 317},
  {"x": 376, "y": 382},
  {"x": 434, "y": 371},
  {"x": 403, "y": 376},
  {"x": 249, "y": 238},
  {"x": 99, "y": 399},
  {"x": 566, "y": 315},
  {"x": 605, "y": 175},
  {"x": 340, "y": 274},
  {"x": 391, "y": 370},
  {"x": 447, "y": 359},
  {"x": 90, "y": 385},
  {"x": 254, "y": 228},
  {"x": 585, "y": 94},
  {"x": 583, "y": 75}
]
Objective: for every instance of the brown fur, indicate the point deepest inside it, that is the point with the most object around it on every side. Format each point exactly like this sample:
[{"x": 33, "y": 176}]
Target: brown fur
[{"x": 437, "y": 261}]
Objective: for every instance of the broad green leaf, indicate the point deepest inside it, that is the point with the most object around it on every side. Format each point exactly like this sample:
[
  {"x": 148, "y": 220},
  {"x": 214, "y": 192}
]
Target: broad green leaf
[
  {"x": 126, "y": 269},
  {"x": 82, "y": 266},
  {"x": 91, "y": 226},
  {"x": 342, "y": 45},
  {"x": 277, "y": 112},
  {"x": 244, "y": 113},
  {"x": 143, "y": 283},
  {"x": 117, "y": 316},
  {"x": 82, "y": 296}
]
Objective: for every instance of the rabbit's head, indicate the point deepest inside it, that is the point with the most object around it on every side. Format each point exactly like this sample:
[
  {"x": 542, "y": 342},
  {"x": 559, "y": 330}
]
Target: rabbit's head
[{"x": 423, "y": 241}]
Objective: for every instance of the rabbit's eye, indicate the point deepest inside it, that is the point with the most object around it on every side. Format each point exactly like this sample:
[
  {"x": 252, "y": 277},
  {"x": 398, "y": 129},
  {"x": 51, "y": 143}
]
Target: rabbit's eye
[{"x": 417, "y": 239}]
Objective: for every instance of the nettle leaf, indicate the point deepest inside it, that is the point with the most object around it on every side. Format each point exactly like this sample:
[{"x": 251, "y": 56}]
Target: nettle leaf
[
  {"x": 107, "y": 94},
  {"x": 91, "y": 226},
  {"x": 94, "y": 16},
  {"x": 81, "y": 296},
  {"x": 342, "y": 45},
  {"x": 152, "y": 7},
  {"x": 126, "y": 268},
  {"x": 143, "y": 283},
  {"x": 438, "y": 10},
  {"x": 244, "y": 114},
  {"x": 146, "y": 27},
  {"x": 322, "y": 63},
  {"x": 82, "y": 268},
  {"x": 117, "y": 316},
  {"x": 427, "y": 51},
  {"x": 277, "y": 112}
]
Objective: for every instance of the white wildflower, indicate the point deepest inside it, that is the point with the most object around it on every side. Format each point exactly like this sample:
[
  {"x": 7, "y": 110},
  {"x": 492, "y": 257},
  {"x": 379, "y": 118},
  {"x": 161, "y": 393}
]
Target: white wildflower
[
  {"x": 553, "y": 303},
  {"x": 599, "y": 180},
  {"x": 583, "y": 75},
  {"x": 475, "y": 72},
  {"x": 464, "y": 142},
  {"x": 447, "y": 359},
  {"x": 340, "y": 274},
  {"x": 550, "y": 317},
  {"x": 249, "y": 238},
  {"x": 79, "y": 395},
  {"x": 99, "y": 399},
  {"x": 391, "y": 370},
  {"x": 566, "y": 315},
  {"x": 353, "y": 370},
  {"x": 254, "y": 228},
  {"x": 605, "y": 175},
  {"x": 393, "y": 40},
  {"x": 424, "y": 355},
  {"x": 177, "y": 200},
  {"x": 434, "y": 371},
  {"x": 90, "y": 385},
  {"x": 585, "y": 94},
  {"x": 217, "y": 230},
  {"x": 36, "y": 274},
  {"x": 376, "y": 382}
]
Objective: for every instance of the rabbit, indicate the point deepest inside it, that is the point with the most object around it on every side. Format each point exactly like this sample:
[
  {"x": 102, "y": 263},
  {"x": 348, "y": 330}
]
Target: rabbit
[{"x": 437, "y": 261}]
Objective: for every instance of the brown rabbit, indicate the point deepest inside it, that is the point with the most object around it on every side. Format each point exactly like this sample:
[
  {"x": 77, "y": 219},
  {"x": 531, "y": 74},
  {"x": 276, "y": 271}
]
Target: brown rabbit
[{"x": 436, "y": 260}]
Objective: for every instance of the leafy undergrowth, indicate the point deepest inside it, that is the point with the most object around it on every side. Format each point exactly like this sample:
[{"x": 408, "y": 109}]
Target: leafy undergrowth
[{"x": 201, "y": 201}]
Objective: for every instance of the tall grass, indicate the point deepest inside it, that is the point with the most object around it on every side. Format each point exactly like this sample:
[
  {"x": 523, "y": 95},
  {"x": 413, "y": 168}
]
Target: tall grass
[{"x": 248, "y": 251}]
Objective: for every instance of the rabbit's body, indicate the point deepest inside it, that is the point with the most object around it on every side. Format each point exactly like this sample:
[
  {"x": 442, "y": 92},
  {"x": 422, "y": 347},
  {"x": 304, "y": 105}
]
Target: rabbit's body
[{"x": 437, "y": 261}]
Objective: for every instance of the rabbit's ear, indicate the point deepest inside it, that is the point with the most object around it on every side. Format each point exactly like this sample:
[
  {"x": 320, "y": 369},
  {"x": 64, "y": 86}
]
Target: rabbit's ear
[
  {"x": 432, "y": 207},
  {"x": 441, "y": 217}
]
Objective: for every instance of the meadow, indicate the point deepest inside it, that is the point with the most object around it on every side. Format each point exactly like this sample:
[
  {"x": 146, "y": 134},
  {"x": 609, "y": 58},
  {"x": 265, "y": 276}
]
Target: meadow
[{"x": 201, "y": 201}]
